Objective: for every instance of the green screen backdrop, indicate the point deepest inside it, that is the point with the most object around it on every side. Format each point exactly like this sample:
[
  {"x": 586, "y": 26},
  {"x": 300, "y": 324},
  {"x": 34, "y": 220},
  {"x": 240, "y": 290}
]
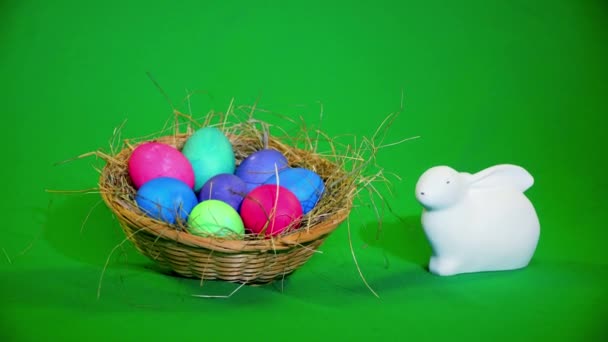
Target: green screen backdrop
[{"x": 483, "y": 83}]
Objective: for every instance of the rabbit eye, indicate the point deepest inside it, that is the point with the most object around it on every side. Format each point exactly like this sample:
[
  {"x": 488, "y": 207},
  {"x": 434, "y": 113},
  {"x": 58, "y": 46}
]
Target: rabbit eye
[{"x": 447, "y": 182}]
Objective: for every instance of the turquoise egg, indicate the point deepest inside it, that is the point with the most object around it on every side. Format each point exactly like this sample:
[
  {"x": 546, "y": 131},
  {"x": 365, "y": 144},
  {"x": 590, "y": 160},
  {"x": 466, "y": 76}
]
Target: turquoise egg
[
  {"x": 305, "y": 184},
  {"x": 210, "y": 153}
]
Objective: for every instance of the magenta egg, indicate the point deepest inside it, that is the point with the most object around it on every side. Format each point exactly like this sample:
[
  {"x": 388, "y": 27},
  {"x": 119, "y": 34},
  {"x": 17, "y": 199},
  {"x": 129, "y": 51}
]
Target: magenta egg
[
  {"x": 270, "y": 209},
  {"x": 153, "y": 160}
]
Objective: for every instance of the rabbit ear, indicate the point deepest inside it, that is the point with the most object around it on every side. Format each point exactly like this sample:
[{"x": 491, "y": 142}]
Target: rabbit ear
[{"x": 504, "y": 175}]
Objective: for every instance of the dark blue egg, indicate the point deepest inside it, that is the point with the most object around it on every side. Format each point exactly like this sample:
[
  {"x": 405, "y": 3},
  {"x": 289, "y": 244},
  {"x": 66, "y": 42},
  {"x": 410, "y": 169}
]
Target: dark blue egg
[
  {"x": 305, "y": 184},
  {"x": 259, "y": 166},
  {"x": 166, "y": 199},
  {"x": 224, "y": 187}
]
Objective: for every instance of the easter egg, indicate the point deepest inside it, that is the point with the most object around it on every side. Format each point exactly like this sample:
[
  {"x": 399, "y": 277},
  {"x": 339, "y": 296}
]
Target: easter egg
[
  {"x": 259, "y": 166},
  {"x": 210, "y": 153},
  {"x": 153, "y": 160},
  {"x": 226, "y": 188},
  {"x": 270, "y": 209},
  {"x": 166, "y": 199},
  {"x": 215, "y": 218},
  {"x": 304, "y": 183}
]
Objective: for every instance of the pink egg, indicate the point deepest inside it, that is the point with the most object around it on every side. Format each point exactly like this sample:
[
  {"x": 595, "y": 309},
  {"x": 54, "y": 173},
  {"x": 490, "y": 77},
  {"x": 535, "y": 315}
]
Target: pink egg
[
  {"x": 270, "y": 209},
  {"x": 153, "y": 160}
]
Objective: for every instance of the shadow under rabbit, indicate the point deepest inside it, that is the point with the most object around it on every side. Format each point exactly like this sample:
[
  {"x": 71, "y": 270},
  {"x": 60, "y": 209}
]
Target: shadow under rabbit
[{"x": 403, "y": 239}]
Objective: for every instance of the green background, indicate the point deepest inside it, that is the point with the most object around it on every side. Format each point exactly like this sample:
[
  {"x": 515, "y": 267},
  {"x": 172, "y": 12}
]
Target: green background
[{"x": 522, "y": 82}]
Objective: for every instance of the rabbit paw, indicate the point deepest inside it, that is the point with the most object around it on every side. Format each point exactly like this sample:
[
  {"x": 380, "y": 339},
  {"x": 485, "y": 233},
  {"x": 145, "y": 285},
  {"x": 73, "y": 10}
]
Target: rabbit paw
[{"x": 443, "y": 266}]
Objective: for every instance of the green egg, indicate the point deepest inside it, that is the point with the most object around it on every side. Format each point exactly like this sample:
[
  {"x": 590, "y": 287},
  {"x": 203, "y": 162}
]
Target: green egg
[
  {"x": 215, "y": 218},
  {"x": 210, "y": 153}
]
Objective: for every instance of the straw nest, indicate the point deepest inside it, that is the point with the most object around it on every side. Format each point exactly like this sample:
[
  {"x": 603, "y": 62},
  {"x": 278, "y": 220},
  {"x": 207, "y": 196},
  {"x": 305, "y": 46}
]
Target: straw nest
[{"x": 347, "y": 169}]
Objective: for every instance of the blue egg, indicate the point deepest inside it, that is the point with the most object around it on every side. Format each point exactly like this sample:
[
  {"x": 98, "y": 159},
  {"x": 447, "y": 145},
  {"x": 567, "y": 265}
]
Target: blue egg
[
  {"x": 305, "y": 184},
  {"x": 166, "y": 199}
]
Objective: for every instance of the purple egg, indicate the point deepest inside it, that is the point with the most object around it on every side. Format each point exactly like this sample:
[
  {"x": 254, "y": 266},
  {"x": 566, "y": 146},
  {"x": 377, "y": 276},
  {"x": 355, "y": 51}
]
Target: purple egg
[
  {"x": 259, "y": 166},
  {"x": 226, "y": 188}
]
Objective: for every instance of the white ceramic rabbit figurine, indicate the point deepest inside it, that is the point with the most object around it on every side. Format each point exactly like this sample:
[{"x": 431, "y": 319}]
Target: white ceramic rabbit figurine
[{"x": 478, "y": 222}]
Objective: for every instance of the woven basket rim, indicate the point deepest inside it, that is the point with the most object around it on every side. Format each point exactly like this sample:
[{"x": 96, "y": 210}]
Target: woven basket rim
[{"x": 147, "y": 225}]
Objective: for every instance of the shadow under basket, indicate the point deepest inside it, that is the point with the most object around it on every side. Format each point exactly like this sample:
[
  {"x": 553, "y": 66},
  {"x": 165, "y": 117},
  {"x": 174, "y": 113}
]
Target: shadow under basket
[{"x": 252, "y": 260}]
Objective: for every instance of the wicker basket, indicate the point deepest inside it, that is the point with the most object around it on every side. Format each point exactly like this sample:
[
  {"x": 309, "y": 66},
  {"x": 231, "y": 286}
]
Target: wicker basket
[{"x": 251, "y": 261}]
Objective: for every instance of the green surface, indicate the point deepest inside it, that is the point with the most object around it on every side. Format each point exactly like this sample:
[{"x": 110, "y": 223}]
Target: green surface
[{"x": 512, "y": 82}]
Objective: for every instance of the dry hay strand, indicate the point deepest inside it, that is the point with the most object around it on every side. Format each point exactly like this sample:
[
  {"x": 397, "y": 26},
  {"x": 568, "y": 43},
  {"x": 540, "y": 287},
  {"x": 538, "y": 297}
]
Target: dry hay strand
[{"x": 348, "y": 169}]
